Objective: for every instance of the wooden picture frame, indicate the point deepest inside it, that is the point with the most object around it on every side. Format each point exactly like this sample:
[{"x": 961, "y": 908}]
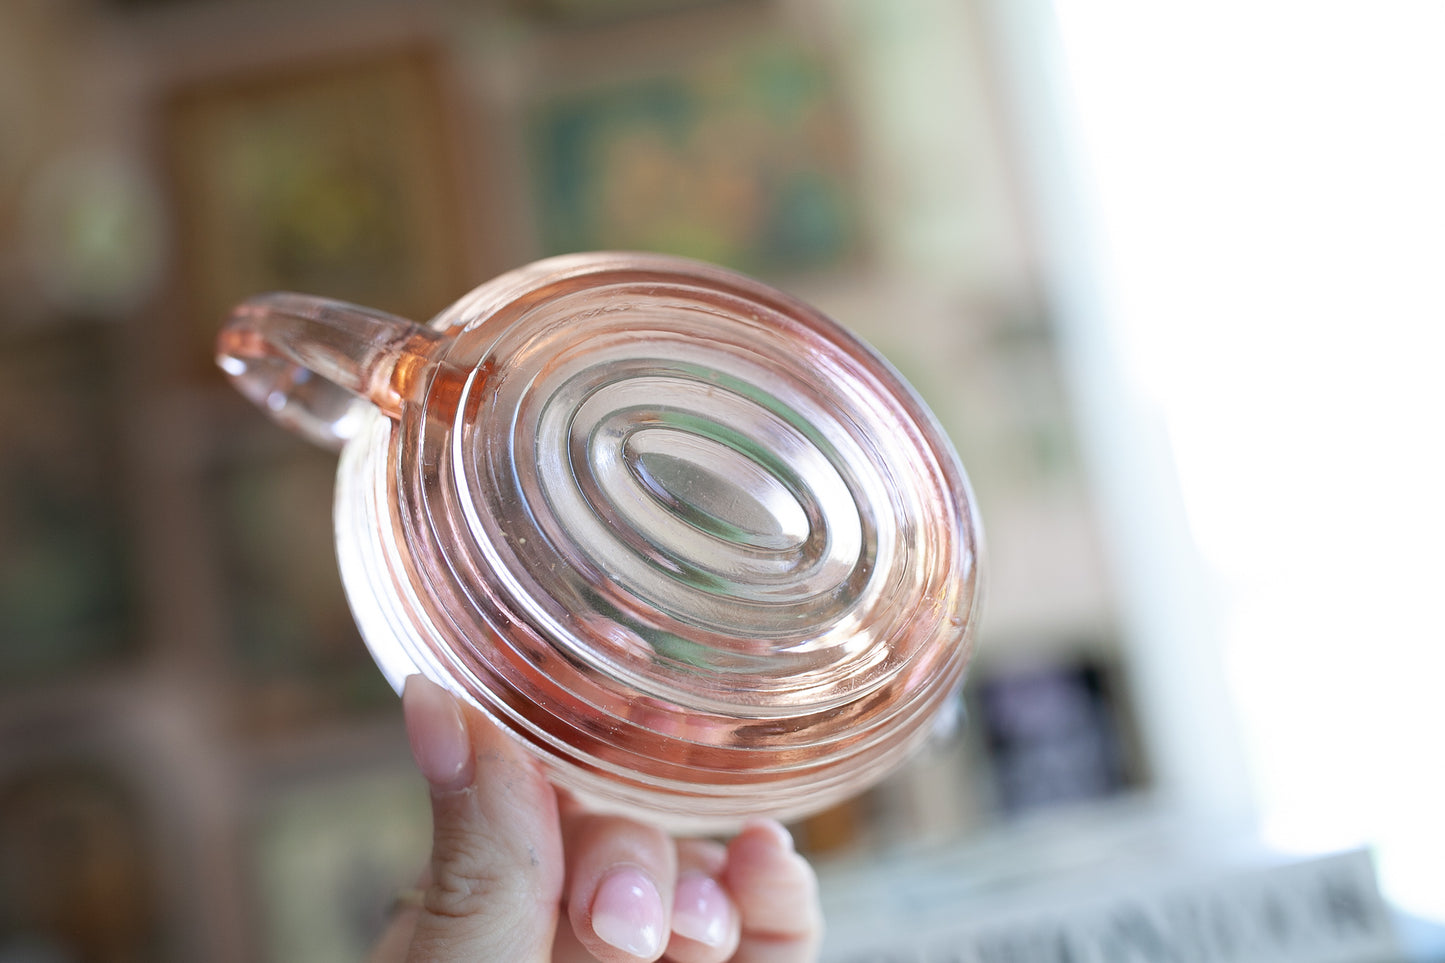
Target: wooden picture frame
[{"x": 334, "y": 176}]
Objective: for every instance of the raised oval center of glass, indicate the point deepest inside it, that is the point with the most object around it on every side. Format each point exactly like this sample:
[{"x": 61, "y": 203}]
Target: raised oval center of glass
[{"x": 716, "y": 489}]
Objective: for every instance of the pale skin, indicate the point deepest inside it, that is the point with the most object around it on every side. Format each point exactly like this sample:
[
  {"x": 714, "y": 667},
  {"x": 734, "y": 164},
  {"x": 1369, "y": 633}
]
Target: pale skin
[{"x": 520, "y": 873}]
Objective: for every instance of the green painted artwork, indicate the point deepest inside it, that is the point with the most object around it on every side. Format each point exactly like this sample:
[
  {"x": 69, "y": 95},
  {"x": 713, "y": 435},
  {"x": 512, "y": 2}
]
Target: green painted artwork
[{"x": 740, "y": 159}]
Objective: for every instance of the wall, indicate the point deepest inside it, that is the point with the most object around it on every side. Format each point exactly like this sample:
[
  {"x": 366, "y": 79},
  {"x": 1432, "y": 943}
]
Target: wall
[{"x": 186, "y": 700}]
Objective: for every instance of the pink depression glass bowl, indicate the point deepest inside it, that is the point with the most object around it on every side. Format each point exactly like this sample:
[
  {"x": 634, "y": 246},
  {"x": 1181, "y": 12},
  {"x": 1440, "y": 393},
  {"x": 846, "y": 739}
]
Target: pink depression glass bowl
[{"x": 698, "y": 548}]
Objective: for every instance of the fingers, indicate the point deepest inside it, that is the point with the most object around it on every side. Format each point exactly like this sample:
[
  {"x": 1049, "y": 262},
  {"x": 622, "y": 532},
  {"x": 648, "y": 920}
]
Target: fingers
[
  {"x": 777, "y": 896},
  {"x": 620, "y": 878},
  {"x": 496, "y": 869},
  {"x": 753, "y": 901},
  {"x": 705, "y": 921},
  {"x": 634, "y": 894}
]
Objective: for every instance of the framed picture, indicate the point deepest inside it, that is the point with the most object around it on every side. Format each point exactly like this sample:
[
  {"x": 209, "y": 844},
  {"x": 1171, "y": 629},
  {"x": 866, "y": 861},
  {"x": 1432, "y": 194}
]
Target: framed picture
[
  {"x": 295, "y": 648},
  {"x": 738, "y": 155},
  {"x": 1057, "y": 732},
  {"x": 334, "y": 178},
  {"x": 66, "y": 598},
  {"x": 330, "y": 855}
]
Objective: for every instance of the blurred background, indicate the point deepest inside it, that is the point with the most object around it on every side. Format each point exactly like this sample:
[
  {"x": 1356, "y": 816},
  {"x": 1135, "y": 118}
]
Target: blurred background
[{"x": 1168, "y": 273}]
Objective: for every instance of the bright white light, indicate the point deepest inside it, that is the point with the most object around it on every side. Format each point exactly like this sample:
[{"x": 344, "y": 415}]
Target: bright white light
[{"x": 1271, "y": 177}]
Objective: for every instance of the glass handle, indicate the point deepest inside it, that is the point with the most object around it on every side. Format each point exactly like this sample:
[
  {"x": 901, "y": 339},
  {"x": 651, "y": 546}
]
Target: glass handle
[{"x": 306, "y": 360}]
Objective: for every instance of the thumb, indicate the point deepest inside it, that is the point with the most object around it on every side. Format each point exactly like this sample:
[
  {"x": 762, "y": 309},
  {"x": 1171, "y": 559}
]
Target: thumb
[{"x": 496, "y": 866}]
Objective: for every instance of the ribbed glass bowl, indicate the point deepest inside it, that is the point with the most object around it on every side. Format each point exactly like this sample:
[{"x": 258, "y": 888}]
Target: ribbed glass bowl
[{"x": 697, "y": 547}]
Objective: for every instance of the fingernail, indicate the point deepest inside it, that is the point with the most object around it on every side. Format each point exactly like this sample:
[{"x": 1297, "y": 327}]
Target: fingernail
[
  {"x": 627, "y": 912},
  {"x": 437, "y": 733},
  {"x": 701, "y": 909}
]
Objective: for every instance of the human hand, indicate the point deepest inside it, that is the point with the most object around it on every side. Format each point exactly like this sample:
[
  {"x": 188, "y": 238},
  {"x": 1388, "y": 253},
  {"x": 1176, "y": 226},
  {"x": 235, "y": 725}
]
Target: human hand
[{"x": 520, "y": 873}]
